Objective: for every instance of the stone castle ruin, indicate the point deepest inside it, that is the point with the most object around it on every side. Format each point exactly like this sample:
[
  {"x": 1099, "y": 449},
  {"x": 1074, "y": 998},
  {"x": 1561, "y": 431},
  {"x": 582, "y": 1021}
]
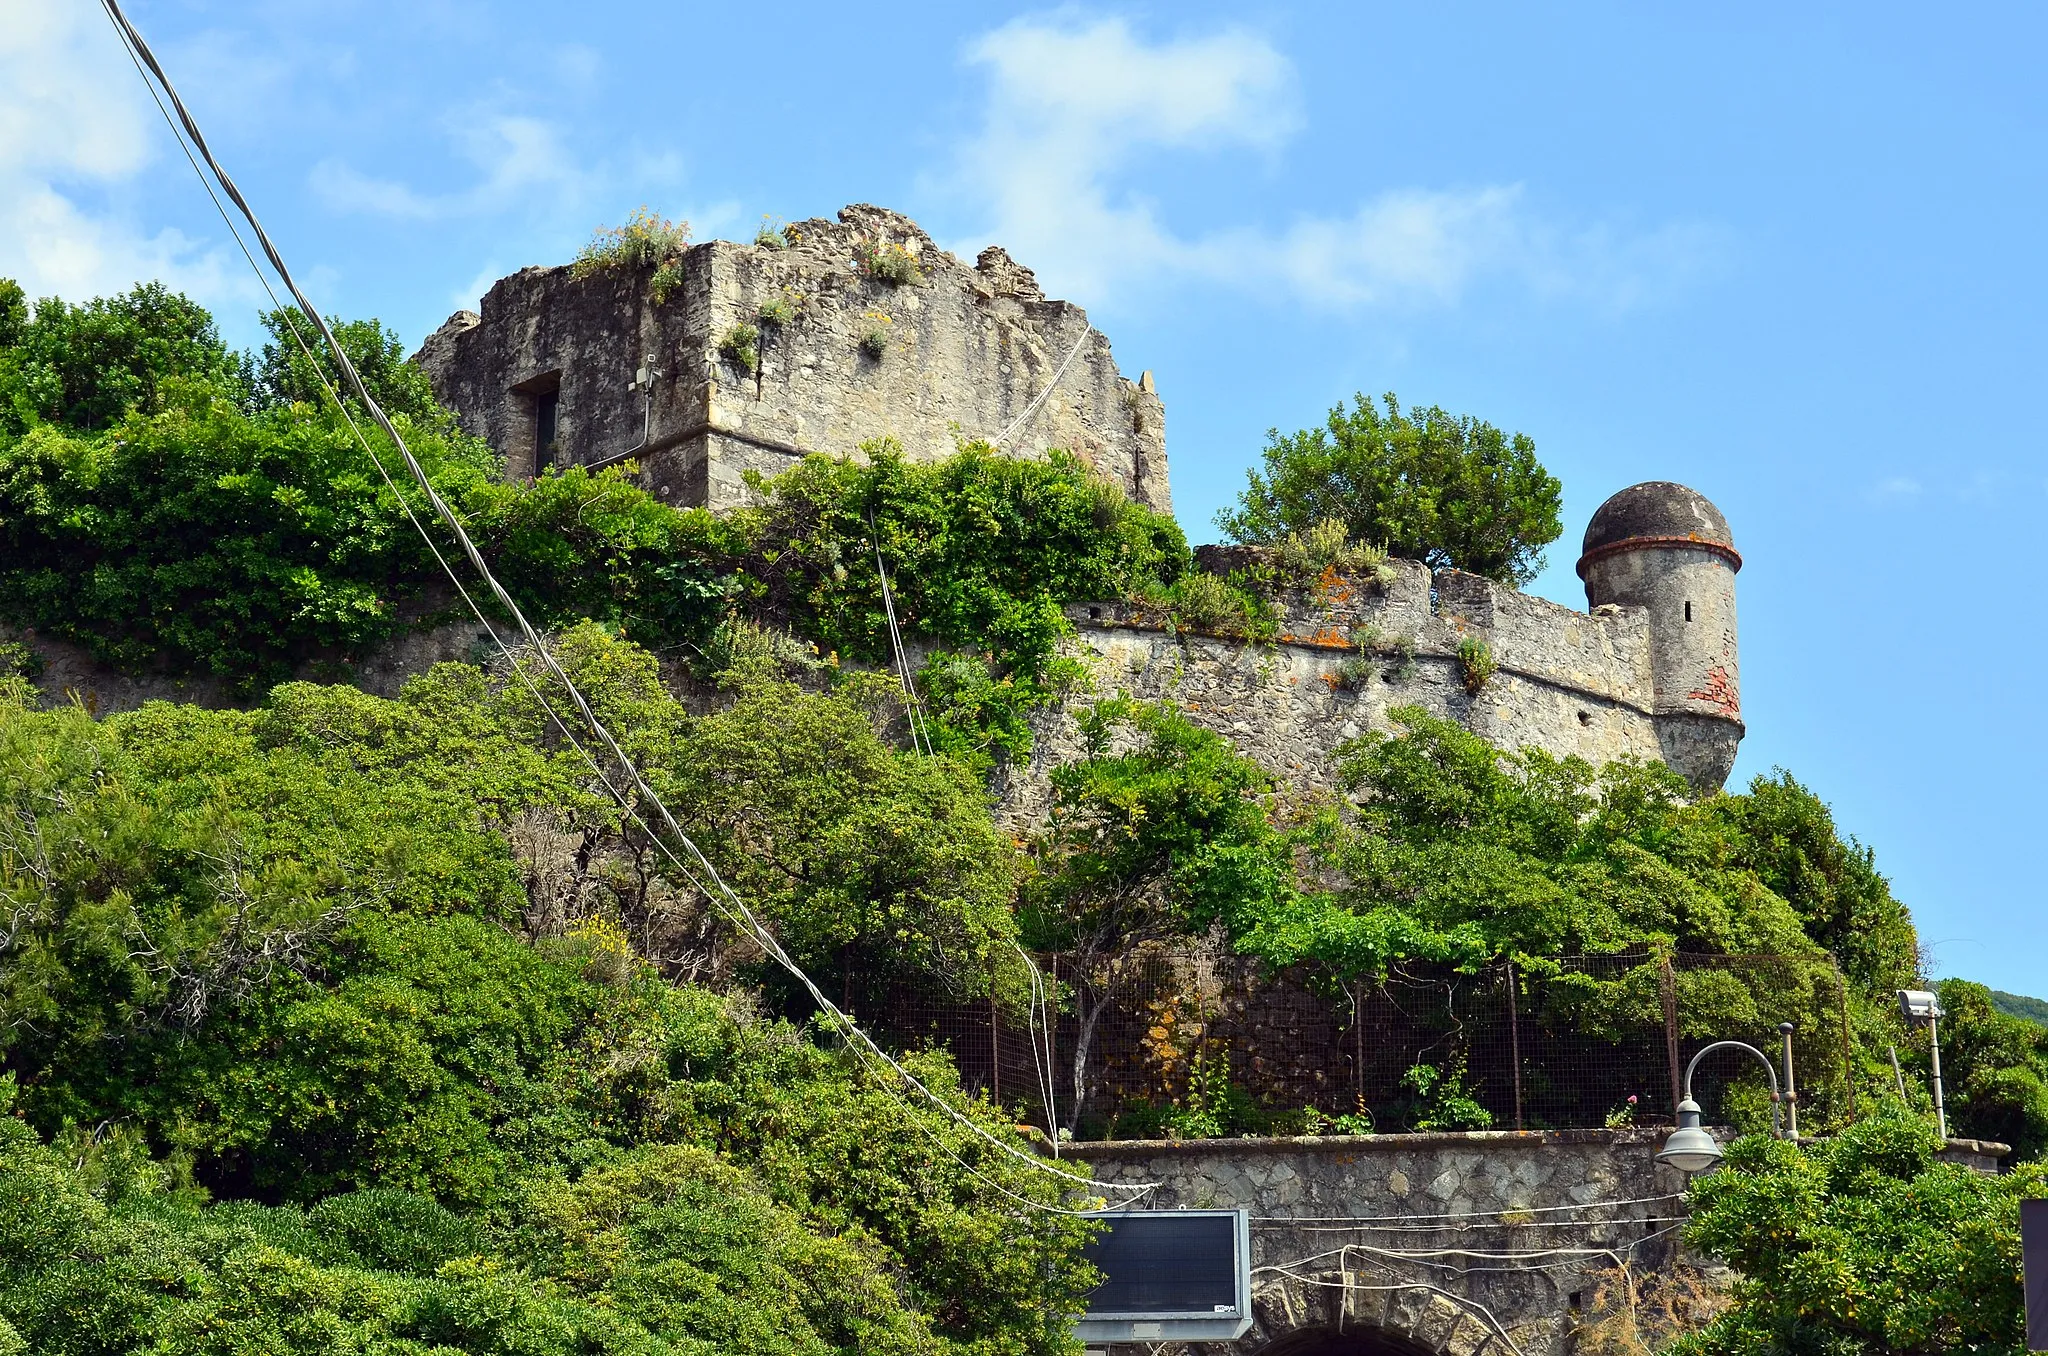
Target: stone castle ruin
[
  {"x": 548, "y": 373},
  {"x": 551, "y": 375}
]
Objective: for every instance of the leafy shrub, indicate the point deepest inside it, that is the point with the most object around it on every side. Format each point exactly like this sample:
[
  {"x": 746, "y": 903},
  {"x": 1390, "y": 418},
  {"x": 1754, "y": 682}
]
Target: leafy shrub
[
  {"x": 887, "y": 262},
  {"x": 666, "y": 280},
  {"x": 740, "y": 345},
  {"x": 218, "y": 540},
  {"x": 646, "y": 241},
  {"x": 1476, "y": 664},
  {"x": 1199, "y": 601},
  {"x": 19, "y": 660},
  {"x": 874, "y": 336},
  {"x": 1863, "y": 1242},
  {"x": 778, "y": 310},
  {"x": 1305, "y": 556},
  {"x": 1442, "y": 1100}
]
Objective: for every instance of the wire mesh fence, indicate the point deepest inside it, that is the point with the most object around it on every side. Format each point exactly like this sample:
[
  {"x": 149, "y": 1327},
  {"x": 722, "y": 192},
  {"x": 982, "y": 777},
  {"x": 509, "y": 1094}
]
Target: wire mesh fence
[{"x": 1195, "y": 1042}]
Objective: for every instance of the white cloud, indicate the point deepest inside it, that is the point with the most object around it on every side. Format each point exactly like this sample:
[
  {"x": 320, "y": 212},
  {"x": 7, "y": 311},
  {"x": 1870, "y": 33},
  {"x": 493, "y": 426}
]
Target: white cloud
[
  {"x": 517, "y": 158},
  {"x": 1073, "y": 106},
  {"x": 75, "y": 128}
]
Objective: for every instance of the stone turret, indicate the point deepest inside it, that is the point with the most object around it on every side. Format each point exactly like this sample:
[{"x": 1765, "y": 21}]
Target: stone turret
[{"x": 1666, "y": 549}]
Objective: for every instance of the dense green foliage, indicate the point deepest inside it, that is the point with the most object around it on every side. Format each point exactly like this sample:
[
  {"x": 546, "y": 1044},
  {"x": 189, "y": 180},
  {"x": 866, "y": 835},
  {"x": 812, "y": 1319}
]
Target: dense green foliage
[
  {"x": 1994, "y": 1068},
  {"x": 201, "y": 537},
  {"x": 1451, "y": 491},
  {"x": 87, "y": 366},
  {"x": 275, "y": 951},
  {"x": 2021, "y": 1006},
  {"x": 1863, "y": 1245},
  {"x": 170, "y": 505}
]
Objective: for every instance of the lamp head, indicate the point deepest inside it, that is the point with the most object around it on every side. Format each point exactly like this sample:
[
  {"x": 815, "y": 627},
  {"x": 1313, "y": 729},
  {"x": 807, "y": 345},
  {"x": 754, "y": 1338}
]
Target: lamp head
[
  {"x": 1690, "y": 1149},
  {"x": 1919, "y": 1007}
]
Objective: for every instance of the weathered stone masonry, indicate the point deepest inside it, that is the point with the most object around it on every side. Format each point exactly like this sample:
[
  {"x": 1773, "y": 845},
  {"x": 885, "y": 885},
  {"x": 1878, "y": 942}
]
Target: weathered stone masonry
[
  {"x": 968, "y": 350},
  {"x": 1418, "y": 1244},
  {"x": 1649, "y": 672}
]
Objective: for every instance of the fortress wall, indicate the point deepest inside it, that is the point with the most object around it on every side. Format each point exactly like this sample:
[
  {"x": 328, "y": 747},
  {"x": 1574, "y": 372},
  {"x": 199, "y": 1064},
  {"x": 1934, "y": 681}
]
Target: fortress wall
[
  {"x": 1569, "y": 683},
  {"x": 969, "y": 349}
]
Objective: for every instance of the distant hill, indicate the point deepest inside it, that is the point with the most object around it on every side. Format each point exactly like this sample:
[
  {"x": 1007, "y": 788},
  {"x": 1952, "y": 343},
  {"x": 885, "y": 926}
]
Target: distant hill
[{"x": 2018, "y": 1005}]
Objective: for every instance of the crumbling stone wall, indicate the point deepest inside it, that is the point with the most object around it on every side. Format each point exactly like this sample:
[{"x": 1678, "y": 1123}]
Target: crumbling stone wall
[
  {"x": 1570, "y": 683},
  {"x": 968, "y": 351}
]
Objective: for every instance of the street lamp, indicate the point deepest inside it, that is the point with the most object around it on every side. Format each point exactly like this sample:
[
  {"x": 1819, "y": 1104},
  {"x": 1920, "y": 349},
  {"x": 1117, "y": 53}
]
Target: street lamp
[
  {"x": 1690, "y": 1148},
  {"x": 1921, "y": 1008}
]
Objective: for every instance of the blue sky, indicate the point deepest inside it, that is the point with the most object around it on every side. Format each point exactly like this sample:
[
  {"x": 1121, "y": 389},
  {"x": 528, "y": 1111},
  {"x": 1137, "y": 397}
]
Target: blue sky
[{"x": 1792, "y": 260}]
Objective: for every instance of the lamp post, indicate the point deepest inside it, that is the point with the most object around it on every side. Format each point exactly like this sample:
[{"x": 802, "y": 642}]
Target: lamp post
[
  {"x": 1921, "y": 1008},
  {"x": 1690, "y": 1148}
]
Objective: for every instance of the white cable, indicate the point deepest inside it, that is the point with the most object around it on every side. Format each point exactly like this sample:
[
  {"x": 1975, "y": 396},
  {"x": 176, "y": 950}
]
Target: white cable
[
  {"x": 1039, "y": 399},
  {"x": 1463, "y": 1214},
  {"x": 914, "y": 710},
  {"x": 1040, "y": 1010},
  {"x": 1452, "y": 1296},
  {"x": 722, "y": 896},
  {"x": 1472, "y": 1228}
]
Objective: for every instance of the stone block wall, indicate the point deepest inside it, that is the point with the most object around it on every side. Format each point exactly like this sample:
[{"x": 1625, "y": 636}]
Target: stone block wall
[
  {"x": 1569, "y": 683},
  {"x": 968, "y": 352},
  {"x": 1408, "y": 1237}
]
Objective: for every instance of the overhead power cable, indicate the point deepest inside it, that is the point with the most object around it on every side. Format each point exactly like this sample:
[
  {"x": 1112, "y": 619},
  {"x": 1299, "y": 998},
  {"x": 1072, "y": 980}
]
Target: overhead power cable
[
  {"x": 1032, "y": 407},
  {"x": 698, "y": 868}
]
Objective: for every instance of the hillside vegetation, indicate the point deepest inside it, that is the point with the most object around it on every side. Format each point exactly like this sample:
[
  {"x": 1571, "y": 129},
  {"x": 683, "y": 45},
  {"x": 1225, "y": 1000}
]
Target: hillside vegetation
[{"x": 346, "y": 1023}]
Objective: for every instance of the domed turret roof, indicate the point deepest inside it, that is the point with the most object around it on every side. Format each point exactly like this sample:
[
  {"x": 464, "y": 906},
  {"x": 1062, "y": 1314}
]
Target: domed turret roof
[{"x": 1660, "y": 512}]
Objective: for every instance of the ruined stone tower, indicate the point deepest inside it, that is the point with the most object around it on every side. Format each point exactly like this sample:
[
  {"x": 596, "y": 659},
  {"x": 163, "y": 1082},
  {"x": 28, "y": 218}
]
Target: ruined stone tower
[
  {"x": 1666, "y": 549},
  {"x": 547, "y": 374}
]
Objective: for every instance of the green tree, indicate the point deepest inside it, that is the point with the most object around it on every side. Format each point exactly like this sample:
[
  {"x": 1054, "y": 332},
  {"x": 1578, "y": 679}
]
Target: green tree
[
  {"x": 882, "y": 867},
  {"x": 1862, "y": 1245},
  {"x": 1451, "y": 491},
  {"x": 1159, "y": 832},
  {"x": 1785, "y": 835},
  {"x": 86, "y": 367},
  {"x": 282, "y": 373}
]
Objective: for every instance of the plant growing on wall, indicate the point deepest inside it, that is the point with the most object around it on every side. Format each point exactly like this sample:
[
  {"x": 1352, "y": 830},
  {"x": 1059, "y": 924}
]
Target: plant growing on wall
[
  {"x": 1153, "y": 843},
  {"x": 772, "y": 235},
  {"x": 1305, "y": 557},
  {"x": 740, "y": 345},
  {"x": 779, "y": 310},
  {"x": 874, "y": 335},
  {"x": 646, "y": 241},
  {"x": 1476, "y": 663},
  {"x": 887, "y": 262}
]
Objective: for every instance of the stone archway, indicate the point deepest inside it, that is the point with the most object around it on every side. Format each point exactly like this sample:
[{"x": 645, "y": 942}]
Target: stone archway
[
  {"x": 1340, "y": 1313},
  {"x": 1357, "y": 1341}
]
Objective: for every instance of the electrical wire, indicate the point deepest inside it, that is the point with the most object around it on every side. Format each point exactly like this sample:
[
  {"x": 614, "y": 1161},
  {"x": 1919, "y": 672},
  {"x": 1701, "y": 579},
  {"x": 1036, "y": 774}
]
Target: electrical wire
[
  {"x": 1473, "y": 1228},
  {"x": 1464, "y": 1214},
  {"x": 1039, "y": 399},
  {"x": 705, "y": 876}
]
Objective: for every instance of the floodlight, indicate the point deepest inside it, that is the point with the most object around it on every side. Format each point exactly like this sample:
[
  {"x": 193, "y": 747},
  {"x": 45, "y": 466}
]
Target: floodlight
[
  {"x": 1170, "y": 1275},
  {"x": 1690, "y": 1148},
  {"x": 1919, "y": 1007}
]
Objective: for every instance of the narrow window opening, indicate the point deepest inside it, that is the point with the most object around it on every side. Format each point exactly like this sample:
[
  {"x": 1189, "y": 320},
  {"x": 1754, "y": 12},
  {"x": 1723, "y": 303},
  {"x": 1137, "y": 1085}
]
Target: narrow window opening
[
  {"x": 545, "y": 405},
  {"x": 1688, "y": 611}
]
